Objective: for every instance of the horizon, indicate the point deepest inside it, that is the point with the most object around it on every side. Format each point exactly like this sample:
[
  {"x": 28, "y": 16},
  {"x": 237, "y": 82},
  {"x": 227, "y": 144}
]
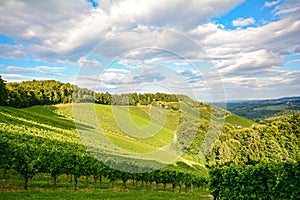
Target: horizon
[{"x": 211, "y": 51}]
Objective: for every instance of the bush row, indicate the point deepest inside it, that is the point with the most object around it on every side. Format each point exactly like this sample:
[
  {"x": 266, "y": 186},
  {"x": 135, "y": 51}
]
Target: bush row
[{"x": 263, "y": 181}]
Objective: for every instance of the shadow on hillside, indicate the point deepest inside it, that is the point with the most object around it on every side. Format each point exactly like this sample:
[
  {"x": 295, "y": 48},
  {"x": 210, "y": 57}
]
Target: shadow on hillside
[{"x": 43, "y": 117}]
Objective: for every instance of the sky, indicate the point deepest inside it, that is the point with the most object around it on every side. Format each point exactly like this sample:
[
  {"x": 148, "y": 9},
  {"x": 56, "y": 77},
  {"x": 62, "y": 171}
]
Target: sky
[{"x": 211, "y": 50}]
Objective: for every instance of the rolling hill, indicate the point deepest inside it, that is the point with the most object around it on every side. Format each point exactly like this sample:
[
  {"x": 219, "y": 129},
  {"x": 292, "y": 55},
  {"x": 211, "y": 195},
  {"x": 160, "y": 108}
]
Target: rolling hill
[
  {"x": 56, "y": 123},
  {"x": 52, "y": 141},
  {"x": 261, "y": 109}
]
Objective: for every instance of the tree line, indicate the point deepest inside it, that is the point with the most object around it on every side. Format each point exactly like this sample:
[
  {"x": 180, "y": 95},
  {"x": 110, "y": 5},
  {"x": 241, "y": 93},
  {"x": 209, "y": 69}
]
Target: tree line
[
  {"x": 47, "y": 92},
  {"x": 134, "y": 98}
]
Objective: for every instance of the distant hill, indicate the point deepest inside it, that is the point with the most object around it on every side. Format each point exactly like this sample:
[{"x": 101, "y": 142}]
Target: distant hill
[{"x": 261, "y": 109}]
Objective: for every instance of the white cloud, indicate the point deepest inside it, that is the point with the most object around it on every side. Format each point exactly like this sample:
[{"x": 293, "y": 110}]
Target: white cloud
[
  {"x": 271, "y": 3},
  {"x": 226, "y": 47},
  {"x": 290, "y": 8},
  {"x": 67, "y": 31},
  {"x": 243, "y": 21},
  {"x": 19, "y": 77},
  {"x": 117, "y": 70},
  {"x": 87, "y": 63},
  {"x": 295, "y": 61},
  {"x": 64, "y": 30},
  {"x": 169, "y": 12},
  {"x": 12, "y": 51},
  {"x": 255, "y": 63},
  {"x": 38, "y": 69}
]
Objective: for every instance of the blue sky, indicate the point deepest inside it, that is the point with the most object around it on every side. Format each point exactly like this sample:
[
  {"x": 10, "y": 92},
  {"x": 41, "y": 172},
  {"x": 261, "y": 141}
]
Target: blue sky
[
  {"x": 210, "y": 50},
  {"x": 249, "y": 9}
]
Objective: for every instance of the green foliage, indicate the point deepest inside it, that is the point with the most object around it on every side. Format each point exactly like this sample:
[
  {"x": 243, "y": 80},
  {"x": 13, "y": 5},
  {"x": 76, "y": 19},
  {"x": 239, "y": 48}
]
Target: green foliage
[
  {"x": 270, "y": 143},
  {"x": 288, "y": 181},
  {"x": 262, "y": 181},
  {"x": 134, "y": 98},
  {"x": 26, "y": 160},
  {"x": 30, "y": 93},
  {"x": 3, "y": 92},
  {"x": 47, "y": 92}
]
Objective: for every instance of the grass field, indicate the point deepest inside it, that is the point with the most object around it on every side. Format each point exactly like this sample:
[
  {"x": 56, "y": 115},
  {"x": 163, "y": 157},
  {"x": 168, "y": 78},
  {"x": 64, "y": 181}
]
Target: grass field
[
  {"x": 238, "y": 121},
  {"x": 141, "y": 195},
  {"x": 136, "y": 120}
]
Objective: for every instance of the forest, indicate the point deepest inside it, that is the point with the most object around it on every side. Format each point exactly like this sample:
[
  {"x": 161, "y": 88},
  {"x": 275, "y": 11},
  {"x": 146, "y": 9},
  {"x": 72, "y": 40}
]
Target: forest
[{"x": 48, "y": 92}]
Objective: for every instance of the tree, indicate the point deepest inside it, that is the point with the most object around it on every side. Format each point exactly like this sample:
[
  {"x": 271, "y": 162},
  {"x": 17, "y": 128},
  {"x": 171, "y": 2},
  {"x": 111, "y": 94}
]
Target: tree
[{"x": 3, "y": 92}]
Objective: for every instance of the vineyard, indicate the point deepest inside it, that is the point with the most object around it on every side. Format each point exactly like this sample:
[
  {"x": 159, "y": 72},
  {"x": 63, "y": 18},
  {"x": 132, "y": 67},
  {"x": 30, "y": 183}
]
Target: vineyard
[
  {"x": 41, "y": 149},
  {"x": 39, "y": 140}
]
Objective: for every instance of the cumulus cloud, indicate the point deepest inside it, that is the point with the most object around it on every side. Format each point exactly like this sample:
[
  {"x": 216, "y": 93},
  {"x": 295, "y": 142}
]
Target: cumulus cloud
[
  {"x": 268, "y": 43},
  {"x": 68, "y": 35},
  {"x": 256, "y": 62},
  {"x": 243, "y": 21},
  {"x": 169, "y": 12},
  {"x": 138, "y": 32}
]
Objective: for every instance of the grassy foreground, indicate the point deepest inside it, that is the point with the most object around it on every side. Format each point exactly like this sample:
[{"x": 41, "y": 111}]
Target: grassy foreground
[
  {"x": 36, "y": 194},
  {"x": 40, "y": 187}
]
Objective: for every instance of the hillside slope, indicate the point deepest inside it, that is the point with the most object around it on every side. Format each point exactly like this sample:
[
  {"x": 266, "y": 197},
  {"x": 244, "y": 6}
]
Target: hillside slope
[
  {"x": 56, "y": 123},
  {"x": 53, "y": 124}
]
